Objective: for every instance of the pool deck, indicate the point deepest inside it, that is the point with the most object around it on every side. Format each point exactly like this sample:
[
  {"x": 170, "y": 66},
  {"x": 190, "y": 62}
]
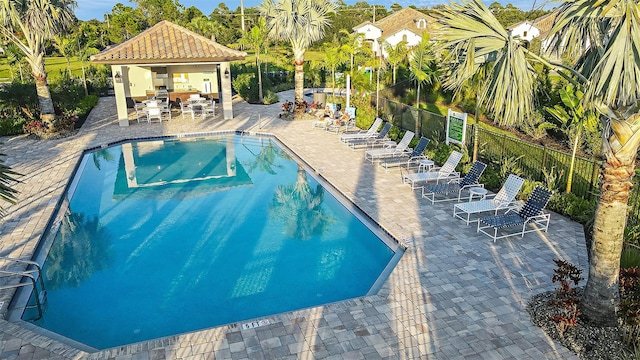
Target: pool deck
[{"x": 455, "y": 294}]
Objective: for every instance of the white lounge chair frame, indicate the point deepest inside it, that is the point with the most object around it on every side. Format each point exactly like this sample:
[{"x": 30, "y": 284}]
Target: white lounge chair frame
[
  {"x": 400, "y": 148},
  {"x": 446, "y": 172},
  {"x": 502, "y": 200},
  {"x": 373, "y": 131}
]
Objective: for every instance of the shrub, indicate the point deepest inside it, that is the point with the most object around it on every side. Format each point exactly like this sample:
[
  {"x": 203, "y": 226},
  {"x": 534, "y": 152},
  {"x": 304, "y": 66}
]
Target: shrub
[
  {"x": 66, "y": 93},
  {"x": 566, "y": 300},
  {"x": 86, "y": 104},
  {"x": 576, "y": 208},
  {"x": 11, "y": 125},
  {"x": 270, "y": 98}
]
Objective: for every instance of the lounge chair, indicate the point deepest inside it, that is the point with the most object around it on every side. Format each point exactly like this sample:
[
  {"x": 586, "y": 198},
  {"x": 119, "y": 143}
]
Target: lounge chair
[
  {"x": 446, "y": 172},
  {"x": 406, "y": 158},
  {"x": 502, "y": 200},
  {"x": 457, "y": 186},
  {"x": 363, "y": 134},
  {"x": 532, "y": 212},
  {"x": 381, "y": 136},
  {"x": 390, "y": 150}
]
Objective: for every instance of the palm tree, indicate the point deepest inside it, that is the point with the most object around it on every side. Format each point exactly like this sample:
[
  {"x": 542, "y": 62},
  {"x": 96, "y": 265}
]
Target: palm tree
[
  {"x": 352, "y": 46},
  {"x": 66, "y": 47},
  {"x": 334, "y": 57},
  {"x": 396, "y": 55},
  {"x": 256, "y": 40},
  {"x": 300, "y": 22},
  {"x": 29, "y": 24},
  {"x": 423, "y": 68},
  {"x": 7, "y": 177},
  {"x": 573, "y": 121},
  {"x": 15, "y": 59},
  {"x": 598, "y": 31}
]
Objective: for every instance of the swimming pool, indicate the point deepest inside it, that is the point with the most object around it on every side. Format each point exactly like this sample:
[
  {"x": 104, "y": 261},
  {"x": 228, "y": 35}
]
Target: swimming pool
[{"x": 168, "y": 236}]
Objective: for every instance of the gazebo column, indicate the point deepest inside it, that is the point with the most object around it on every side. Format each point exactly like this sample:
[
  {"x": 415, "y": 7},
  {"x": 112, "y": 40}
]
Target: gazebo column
[
  {"x": 227, "y": 104},
  {"x": 120, "y": 80}
]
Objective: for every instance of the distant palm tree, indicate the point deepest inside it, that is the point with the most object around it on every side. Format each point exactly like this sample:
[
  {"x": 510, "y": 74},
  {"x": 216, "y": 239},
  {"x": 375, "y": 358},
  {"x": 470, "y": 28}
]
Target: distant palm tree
[
  {"x": 299, "y": 22},
  {"x": 66, "y": 46},
  {"x": 334, "y": 57},
  {"x": 604, "y": 36},
  {"x": 423, "y": 68},
  {"x": 256, "y": 40},
  {"x": 396, "y": 55},
  {"x": 29, "y": 24}
]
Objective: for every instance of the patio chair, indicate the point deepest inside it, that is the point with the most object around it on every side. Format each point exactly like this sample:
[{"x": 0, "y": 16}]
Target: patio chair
[
  {"x": 389, "y": 150},
  {"x": 165, "y": 108},
  {"x": 407, "y": 158},
  {"x": 470, "y": 180},
  {"x": 502, "y": 200},
  {"x": 141, "y": 111},
  {"x": 154, "y": 113},
  {"x": 208, "y": 108},
  {"x": 532, "y": 212},
  {"x": 381, "y": 136},
  {"x": 446, "y": 172},
  {"x": 362, "y": 134},
  {"x": 187, "y": 109}
]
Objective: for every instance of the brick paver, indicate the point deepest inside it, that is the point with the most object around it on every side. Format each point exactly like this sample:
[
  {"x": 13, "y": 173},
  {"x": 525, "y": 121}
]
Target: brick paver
[{"x": 453, "y": 295}]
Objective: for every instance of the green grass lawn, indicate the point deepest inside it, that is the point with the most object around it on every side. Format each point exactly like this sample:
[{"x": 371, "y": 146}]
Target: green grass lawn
[{"x": 53, "y": 65}]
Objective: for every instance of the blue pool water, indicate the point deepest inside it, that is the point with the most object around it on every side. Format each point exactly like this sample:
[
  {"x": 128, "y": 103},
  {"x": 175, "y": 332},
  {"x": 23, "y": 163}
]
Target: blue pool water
[{"x": 170, "y": 236}]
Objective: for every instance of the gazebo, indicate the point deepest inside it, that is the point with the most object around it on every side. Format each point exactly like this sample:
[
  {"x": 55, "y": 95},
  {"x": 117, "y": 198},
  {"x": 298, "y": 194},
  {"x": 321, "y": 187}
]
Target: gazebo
[{"x": 170, "y": 59}]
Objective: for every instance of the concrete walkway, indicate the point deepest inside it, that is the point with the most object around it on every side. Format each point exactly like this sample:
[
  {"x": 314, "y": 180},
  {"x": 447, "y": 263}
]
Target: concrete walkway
[{"x": 454, "y": 295}]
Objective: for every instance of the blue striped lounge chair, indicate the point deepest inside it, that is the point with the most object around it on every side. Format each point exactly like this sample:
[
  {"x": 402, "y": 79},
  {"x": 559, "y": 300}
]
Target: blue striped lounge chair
[
  {"x": 457, "y": 186},
  {"x": 532, "y": 212}
]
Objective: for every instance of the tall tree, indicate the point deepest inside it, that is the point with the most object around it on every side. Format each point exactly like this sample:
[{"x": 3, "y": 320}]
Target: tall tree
[
  {"x": 256, "y": 40},
  {"x": 605, "y": 35},
  {"x": 301, "y": 23},
  {"x": 396, "y": 55},
  {"x": 423, "y": 68},
  {"x": 352, "y": 45},
  {"x": 29, "y": 24},
  {"x": 334, "y": 57},
  {"x": 66, "y": 46}
]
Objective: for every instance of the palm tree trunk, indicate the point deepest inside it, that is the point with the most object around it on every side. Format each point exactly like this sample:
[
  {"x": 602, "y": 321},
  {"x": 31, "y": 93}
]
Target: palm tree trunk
[
  {"x": 84, "y": 81},
  {"x": 259, "y": 78},
  {"x": 601, "y": 297},
  {"x": 47, "y": 112},
  {"x": 299, "y": 74},
  {"x": 417, "y": 130},
  {"x": 573, "y": 162}
]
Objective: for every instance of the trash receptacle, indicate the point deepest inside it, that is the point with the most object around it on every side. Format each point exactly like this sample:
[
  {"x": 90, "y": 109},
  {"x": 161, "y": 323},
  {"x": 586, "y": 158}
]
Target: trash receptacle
[{"x": 320, "y": 98}]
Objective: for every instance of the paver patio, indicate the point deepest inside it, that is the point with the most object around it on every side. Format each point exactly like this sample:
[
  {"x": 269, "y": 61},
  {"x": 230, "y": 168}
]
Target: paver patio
[{"x": 454, "y": 295}]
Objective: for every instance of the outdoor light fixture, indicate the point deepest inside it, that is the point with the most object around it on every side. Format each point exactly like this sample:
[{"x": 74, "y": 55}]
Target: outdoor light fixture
[
  {"x": 118, "y": 77},
  {"x": 226, "y": 73}
]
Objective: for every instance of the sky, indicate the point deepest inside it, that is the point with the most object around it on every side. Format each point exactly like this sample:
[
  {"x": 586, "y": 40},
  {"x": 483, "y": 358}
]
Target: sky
[{"x": 95, "y": 9}]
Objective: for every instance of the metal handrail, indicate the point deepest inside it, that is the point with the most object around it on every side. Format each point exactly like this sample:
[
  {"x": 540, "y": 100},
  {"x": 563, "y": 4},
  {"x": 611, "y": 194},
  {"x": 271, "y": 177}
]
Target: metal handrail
[{"x": 29, "y": 274}]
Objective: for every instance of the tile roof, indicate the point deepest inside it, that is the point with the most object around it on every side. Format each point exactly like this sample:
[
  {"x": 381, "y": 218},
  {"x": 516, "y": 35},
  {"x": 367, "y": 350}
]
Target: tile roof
[
  {"x": 399, "y": 20},
  {"x": 166, "y": 42}
]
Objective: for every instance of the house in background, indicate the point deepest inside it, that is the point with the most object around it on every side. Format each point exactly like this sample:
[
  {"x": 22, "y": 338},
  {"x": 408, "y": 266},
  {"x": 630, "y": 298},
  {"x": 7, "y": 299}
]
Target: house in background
[
  {"x": 169, "y": 58},
  {"x": 539, "y": 28},
  {"x": 406, "y": 25}
]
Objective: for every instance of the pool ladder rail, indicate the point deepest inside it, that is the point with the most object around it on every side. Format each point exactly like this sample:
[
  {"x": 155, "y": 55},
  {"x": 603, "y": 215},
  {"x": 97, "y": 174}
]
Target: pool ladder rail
[{"x": 31, "y": 276}]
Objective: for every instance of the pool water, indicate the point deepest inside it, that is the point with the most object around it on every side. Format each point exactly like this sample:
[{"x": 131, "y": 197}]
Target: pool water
[{"x": 169, "y": 236}]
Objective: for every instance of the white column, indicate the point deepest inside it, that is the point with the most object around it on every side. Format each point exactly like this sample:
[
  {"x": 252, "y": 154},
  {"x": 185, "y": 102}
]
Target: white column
[
  {"x": 120, "y": 80},
  {"x": 227, "y": 104}
]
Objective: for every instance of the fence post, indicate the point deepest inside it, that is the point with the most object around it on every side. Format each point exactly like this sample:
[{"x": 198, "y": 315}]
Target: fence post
[{"x": 544, "y": 159}]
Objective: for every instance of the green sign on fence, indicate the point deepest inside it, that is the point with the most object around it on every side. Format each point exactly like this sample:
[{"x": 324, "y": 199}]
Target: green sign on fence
[{"x": 456, "y": 125}]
